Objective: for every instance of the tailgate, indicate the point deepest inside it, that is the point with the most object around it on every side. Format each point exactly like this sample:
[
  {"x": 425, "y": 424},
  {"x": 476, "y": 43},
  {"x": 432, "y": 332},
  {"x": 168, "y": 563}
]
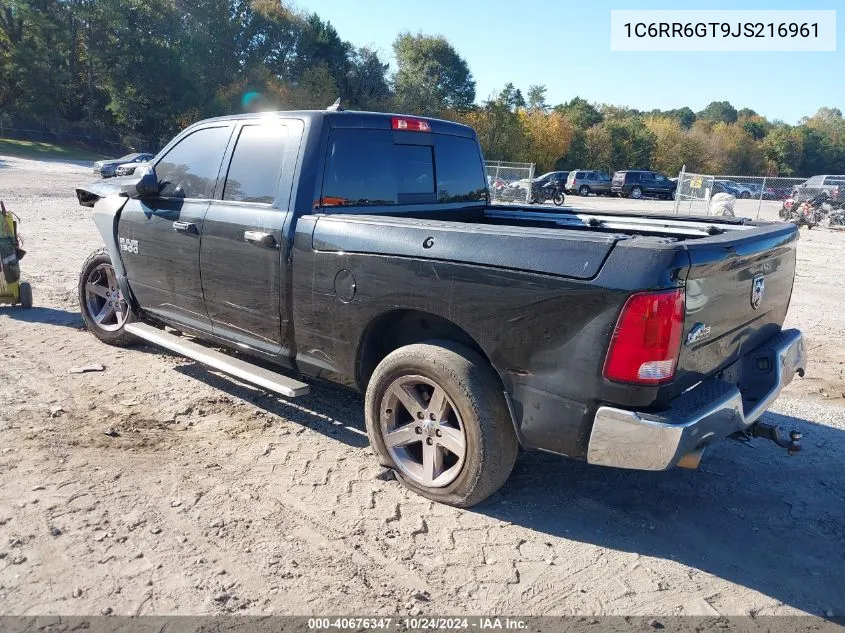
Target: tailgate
[{"x": 737, "y": 293}]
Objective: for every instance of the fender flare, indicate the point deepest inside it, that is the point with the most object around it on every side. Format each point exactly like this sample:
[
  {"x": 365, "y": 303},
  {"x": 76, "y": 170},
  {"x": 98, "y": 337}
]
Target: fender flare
[{"x": 106, "y": 214}]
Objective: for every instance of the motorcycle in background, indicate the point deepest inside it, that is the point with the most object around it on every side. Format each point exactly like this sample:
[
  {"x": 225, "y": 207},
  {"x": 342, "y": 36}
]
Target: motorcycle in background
[
  {"x": 552, "y": 190},
  {"x": 809, "y": 212}
]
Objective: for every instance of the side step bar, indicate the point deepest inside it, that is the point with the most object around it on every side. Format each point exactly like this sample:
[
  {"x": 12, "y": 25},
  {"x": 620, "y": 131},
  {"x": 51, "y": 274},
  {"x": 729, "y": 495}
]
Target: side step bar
[{"x": 218, "y": 360}]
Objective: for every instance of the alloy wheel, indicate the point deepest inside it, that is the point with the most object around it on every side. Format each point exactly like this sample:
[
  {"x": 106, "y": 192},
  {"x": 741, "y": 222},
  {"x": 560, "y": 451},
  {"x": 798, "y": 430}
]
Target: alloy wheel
[{"x": 423, "y": 431}]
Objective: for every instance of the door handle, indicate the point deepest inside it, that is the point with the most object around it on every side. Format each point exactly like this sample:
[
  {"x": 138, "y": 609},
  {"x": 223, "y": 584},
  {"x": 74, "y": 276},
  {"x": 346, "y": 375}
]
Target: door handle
[
  {"x": 185, "y": 227},
  {"x": 257, "y": 237}
]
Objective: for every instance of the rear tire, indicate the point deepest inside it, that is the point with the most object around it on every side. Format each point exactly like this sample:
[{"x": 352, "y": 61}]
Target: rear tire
[
  {"x": 476, "y": 422},
  {"x": 104, "y": 309},
  {"x": 584, "y": 191},
  {"x": 25, "y": 295},
  {"x": 636, "y": 193}
]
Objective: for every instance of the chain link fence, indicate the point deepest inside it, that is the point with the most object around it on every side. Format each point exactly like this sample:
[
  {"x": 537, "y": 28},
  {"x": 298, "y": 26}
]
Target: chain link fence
[
  {"x": 754, "y": 194},
  {"x": 509, "y": 182}
]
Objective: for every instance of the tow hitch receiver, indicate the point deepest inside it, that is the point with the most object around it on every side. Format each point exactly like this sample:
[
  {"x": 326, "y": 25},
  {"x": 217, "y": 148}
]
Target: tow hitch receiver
[{"x": 792, "y": 442}]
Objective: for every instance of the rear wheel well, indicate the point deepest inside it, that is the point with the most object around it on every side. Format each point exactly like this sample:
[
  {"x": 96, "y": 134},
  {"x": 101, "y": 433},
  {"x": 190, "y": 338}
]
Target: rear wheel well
[{"x": 399, "y": 328}]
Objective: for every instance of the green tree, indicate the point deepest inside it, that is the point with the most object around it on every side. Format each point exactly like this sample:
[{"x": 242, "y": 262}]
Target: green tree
[
  {"x": 818, "y": 155},
  {"x": 582, "y": 113},
  {"x": 632, "y": 144},
  {"x": 537, "y": 98},
  {"x": 34, "y": 48},
  {"x": 685, "y": 116},
  {"x": 755, "y": 128},
  {"x": 430, "y": 75},
  {"x": 782, "y": 149},
  {"x": 576, "y": 156},
  {"x": 719, "y": 112},
  {"x": 500, "y": 130},
  {"x": 511, "y": 97},
  {"x": 599, "y": 149},
  {"x": 366, "y": 84},
  {"x": 617, "y": 112},
  {"x": 319, "y": 45}
]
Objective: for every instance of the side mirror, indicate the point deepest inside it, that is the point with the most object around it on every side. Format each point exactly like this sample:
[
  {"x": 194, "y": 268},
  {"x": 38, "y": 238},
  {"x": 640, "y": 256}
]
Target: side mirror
[{"x": 146, "y": 185}]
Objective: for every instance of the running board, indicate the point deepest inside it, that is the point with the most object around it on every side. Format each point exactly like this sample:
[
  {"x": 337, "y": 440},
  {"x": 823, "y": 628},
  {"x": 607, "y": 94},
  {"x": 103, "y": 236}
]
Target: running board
[{"x": 218, "y": 360}]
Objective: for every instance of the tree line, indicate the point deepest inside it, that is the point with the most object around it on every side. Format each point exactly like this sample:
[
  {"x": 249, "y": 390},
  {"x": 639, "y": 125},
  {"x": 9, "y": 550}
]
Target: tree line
[
  {"x": 144, "y": 69},
  {"x": 719, "y": 139}
]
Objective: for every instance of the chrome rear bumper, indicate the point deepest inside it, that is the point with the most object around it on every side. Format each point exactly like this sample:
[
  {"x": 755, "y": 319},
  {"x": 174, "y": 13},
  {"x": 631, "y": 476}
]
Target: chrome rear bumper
[{"x": 711, "y": 410}]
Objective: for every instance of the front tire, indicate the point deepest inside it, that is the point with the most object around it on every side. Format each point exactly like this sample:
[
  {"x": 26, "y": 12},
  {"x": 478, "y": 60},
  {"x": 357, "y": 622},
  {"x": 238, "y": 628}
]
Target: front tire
[
  {"x": 104, "y": 309},
  {"x": 558, "y": 199},
  {"x": 436, "y": 414}
]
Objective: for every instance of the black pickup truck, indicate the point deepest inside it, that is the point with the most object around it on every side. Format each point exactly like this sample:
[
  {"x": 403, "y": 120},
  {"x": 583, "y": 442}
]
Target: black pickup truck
[{"x": 362, "y": 248}]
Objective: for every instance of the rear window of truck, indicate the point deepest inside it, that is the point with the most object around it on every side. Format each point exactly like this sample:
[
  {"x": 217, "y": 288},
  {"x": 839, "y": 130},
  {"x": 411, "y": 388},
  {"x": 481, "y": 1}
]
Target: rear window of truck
[{"x": 383, "y": 168}]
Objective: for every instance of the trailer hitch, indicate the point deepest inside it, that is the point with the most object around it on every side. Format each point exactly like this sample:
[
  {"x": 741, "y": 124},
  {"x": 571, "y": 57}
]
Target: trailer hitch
[{"x": 791, "y": 441}]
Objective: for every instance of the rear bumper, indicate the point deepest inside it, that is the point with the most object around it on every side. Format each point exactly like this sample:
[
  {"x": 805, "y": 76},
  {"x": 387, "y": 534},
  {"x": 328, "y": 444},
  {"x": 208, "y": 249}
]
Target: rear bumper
[{"x": 711, "y": 410}]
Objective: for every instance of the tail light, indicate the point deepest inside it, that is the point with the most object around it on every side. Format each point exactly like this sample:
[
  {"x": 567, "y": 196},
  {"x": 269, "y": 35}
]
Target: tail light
[
  {"x": 646, "y": 342},
  {"x": 410, "y": 125}
]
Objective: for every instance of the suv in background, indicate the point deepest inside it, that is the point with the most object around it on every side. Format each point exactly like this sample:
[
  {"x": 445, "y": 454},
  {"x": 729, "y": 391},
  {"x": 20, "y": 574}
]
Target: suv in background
[
  {"x": 637, "y": 183},
  {"x": 587, "y": 181},
  {"x": 833, "y": 185}
]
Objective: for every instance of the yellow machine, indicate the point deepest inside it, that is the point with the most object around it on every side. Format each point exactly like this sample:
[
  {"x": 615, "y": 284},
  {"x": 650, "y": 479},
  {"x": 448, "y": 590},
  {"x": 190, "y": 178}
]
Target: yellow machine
[{"x": 12, "y": 290}]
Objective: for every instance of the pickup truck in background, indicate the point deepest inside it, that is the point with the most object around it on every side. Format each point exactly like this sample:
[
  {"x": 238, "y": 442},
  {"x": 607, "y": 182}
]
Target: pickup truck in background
[
  {"x": 832, "y": 186},
  {"x": 362, "y": 248}
]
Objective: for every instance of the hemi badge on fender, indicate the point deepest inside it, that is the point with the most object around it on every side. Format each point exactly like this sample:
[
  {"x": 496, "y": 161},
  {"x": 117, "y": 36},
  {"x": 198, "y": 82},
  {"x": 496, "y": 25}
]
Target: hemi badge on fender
[{"x": 699, "y": 332}]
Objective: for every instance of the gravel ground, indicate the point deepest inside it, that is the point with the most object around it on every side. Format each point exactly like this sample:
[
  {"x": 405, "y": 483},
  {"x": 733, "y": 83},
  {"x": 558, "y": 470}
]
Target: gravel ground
[{"x": 157, "y": 487}]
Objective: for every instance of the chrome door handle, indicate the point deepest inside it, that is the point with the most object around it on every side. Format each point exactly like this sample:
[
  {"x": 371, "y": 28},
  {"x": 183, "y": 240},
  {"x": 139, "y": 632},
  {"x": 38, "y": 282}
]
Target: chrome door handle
[
  {"x": 185, "y": 227},
  {"x": 257, "y": 237}
]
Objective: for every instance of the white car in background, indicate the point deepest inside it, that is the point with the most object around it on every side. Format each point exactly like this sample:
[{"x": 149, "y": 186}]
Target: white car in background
[{"x": 127, "y": 169}]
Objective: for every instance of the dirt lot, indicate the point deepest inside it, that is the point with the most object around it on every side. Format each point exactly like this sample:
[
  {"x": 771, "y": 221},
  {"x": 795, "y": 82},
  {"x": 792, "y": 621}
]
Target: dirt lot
[{"x": 212, "y": 496}]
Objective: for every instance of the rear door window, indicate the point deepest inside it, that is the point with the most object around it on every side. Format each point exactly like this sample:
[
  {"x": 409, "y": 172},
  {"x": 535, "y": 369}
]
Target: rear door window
[
  {"x": 376, "y": 168},
  {"x": 460, "y": 170},
  {"x": 256, "y": 164}
]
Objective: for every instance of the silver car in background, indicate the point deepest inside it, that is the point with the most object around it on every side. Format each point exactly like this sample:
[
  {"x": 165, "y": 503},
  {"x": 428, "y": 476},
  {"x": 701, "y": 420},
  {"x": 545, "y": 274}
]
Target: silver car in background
[
  {"x": 587, "y": 181},
  {"x": 127, "y": 169}
]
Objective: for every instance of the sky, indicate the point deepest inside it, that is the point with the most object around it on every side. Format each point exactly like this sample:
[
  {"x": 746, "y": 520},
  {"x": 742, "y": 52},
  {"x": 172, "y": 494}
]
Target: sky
[{"x": 566, "y": 46}]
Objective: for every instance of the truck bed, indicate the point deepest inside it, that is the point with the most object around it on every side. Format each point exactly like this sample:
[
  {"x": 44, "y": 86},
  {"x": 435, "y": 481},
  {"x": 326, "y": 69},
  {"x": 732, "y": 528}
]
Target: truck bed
[{"x": 716, "y": 260}]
